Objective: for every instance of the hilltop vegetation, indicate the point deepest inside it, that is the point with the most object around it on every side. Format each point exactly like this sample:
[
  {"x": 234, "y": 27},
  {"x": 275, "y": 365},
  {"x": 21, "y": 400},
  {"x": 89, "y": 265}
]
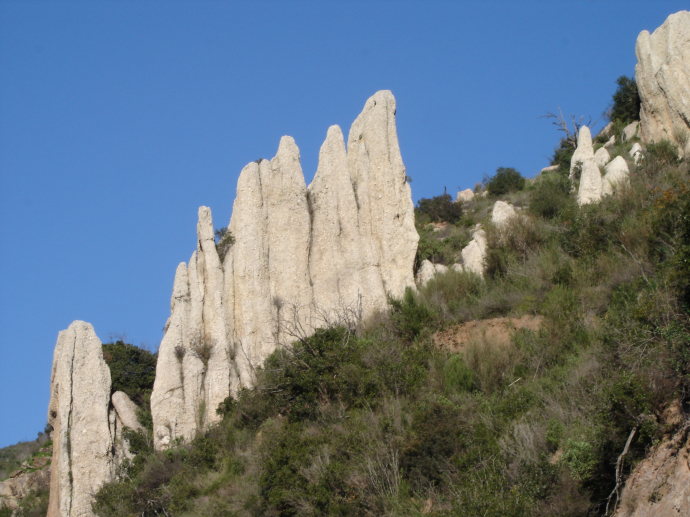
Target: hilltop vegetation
[{"x": 376, "y": 418}]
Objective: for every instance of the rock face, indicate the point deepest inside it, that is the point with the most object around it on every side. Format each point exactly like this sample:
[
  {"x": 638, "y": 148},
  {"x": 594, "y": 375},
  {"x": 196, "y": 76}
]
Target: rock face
[
  {"x": 616, "y": 172},
  {"x": 464, "y": 196},
  {"x": 658, "y": 487},
  {"x": 663, "y": 80},
  {"x": 474, "y": 254},
  {"x": 584, "y": 150},
  {"x": 78, "y": 411},
  {"x": 631, "y": 130},
  {"x": 425, "y": 272},
  {"x": 502, "y": 213},
  {"x": 590, "y": 183},
  {"x": 302, "y": 256}
]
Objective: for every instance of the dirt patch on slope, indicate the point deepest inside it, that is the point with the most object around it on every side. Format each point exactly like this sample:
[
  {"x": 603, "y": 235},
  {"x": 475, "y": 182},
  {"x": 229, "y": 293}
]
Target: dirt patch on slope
[{"x": 497, "y": 330}]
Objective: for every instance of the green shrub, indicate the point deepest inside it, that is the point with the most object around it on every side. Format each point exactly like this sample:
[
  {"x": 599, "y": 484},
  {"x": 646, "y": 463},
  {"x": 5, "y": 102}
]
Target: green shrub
[
  {"x": 457, "y": 376},
  {"x": 132, "y": 369},
  {"x": 439, "y": 208},
  {"x": 551, "y": 194},
  {"x": 581, "y": 459},
  {"x": 224, "y": 241},
  {"x": 626, "y": 102},
  {"x": 505, "y": 181},
  {"x": 563, "y": 154},
  {"x": 410, "y": 315},
  {"x": 659, "y": 156}
]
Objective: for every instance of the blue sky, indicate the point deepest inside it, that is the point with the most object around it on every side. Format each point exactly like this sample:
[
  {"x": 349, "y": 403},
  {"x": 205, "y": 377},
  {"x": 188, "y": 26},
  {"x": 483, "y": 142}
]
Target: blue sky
[{"x": 119, "y": 119}]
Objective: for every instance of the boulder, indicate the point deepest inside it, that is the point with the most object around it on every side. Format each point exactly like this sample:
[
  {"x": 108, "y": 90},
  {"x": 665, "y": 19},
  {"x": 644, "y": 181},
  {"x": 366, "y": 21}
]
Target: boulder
[
  {"x": 474, "y": 254},
  {"x": 636, "y": 153},
  {"x": 590, "y": 189},
  {"x": 457, "y": 268},
  {"x": 550, "y": 168},
  {"x": 78, "y": 411},
  {"x": 602, "y": 157},
  {"x": 631, "y": 130},
  {"x": 425, "y": 272},
  {"x": 663, "y": 80},
  {"x": 584, "y": 150},
  {"x": 464, "y": 196},
  {"x": 611, "y": 142},
  {"x": 440, "y": 269},
  {"x": 616, "y": 172},
  {"x": 502, "y": 213}
]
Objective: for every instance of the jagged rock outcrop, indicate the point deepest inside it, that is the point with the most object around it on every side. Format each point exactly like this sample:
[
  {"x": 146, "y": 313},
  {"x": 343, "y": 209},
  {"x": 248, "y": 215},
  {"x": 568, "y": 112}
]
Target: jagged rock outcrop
[
  {"x": 34, "y": 475},
  {"x": 663, "y": 80},
  {"x": 301, "y": 256},
  {"x": 502, "y": 213},
  {"x": 464, "y": 196},
  {"x": 474, "y": 254},
  {"x": 78, "y": 411},
  {"x": 658, "y": 487},
  {"x": 590, "y": 189},
  {"x": 549, "y": 168},
  {"x": 617, "y": 172},
  {"x": 601, "y": 157},
  {"x": 584, "y": 150}
]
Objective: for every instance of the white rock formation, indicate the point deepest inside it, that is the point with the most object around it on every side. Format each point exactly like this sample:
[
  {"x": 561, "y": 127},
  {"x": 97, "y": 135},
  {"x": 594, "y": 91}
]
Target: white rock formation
[
  {"x": 631, "y": 130},
  {"x": 584, "y": 150},
  {"x": 611, "y": 142},
  {"x": 457, "y": 268},
  {"x": 550, "y": 168},
  {"x": 78, "y": 411},
  {"x": 616, "y": 173},
  {"x": 440, "y": 269},
  {"x": 636, "y": 152},
  {"x": 425, "y": 272},
  {"x": 601, "y": 157},
  {"x": 300, "y": 255},
  {"x": 502, "y": 213},
  {"x": 464, "y": 196},
  {"x": 590, "y": 189},
  {"x": 474, "y": 254},
  {"x": 663, "y": 79}
]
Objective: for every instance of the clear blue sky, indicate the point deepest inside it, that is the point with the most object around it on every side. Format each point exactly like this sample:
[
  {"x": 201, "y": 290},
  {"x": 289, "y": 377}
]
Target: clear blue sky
[{"x": 119, "y": 119}]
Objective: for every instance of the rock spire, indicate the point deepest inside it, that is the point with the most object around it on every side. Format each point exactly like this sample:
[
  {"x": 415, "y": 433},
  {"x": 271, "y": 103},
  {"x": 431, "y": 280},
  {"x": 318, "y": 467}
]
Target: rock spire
[{"x": 302, "y": 256}]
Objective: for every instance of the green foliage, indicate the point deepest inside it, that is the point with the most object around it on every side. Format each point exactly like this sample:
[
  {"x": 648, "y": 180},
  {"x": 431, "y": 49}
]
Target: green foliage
[
  {"x": 580, "y": 457},
  {"x": 439, "y": 208},
  {"x": 224, "y": 241},
  {"x": 457, "y": 376},
  {"x": 658, "y": 156},
  {"x": 563, "y": 154},
  {"x": 505, "y": 181},
  {"x": 132, "y": 369},
  {"x": 626, "y": 102},
  {"x": 551, "y": 194},
  {"x": 5, "y": 511},
  {"x": 410, "y": 315}
]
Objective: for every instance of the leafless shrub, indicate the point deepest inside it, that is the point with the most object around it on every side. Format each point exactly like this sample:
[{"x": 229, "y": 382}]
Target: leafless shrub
[
  {"x": 180, "y": 352},
  {"x": 202, "y": 348}
]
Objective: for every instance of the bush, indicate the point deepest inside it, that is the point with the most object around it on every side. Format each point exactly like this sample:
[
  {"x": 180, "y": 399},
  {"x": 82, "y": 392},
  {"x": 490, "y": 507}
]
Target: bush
[
  {"x": 505, "y": 181},
  {"x": 551, "y": 194},
  {"x": 224, "y": 241},
  {"x": 439, "y": 208},
  {"x": 410, "y": 315},
  {"x": 626, "y": 101},
  {"x": 132, "y": 369},
  {"x": 659, "y": 156},
  {"x": 563, "y": 154}
]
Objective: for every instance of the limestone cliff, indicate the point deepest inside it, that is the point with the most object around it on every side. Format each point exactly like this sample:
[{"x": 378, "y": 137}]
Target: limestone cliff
[
  {"x": 302, "y": 256},
  {"x": 663, "y": 80}
]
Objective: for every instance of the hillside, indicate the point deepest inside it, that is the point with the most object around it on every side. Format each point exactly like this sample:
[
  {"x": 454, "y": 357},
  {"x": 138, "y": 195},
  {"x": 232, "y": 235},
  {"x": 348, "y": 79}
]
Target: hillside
[{"x": 380, "y": 417}]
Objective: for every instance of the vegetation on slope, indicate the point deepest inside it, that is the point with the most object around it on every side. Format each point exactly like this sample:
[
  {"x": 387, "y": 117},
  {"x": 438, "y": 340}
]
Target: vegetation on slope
[{"x": 377, "y": 419}]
